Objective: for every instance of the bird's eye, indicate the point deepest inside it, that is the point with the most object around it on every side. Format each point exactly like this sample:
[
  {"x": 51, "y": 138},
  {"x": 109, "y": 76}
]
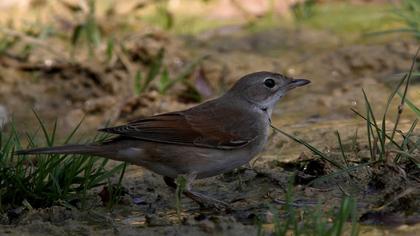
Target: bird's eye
[{"x": 269, "y": 83}]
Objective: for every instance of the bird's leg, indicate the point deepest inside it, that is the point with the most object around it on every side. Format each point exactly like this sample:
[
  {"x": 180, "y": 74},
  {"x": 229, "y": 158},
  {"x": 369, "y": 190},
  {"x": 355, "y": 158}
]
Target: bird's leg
[
  {"x": 201, "y": 199},
  {"x": 170, "y": 182}
]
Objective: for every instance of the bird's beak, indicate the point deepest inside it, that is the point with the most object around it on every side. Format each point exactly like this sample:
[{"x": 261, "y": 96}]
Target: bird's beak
[{"x": 297, "y": 83}]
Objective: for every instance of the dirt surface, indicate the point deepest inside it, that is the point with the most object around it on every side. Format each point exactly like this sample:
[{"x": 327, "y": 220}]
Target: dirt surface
[{"x": 386, "y": 194}]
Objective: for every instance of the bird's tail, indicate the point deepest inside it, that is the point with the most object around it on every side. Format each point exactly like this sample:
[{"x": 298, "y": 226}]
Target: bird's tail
[{"x": 88, "y": 149}]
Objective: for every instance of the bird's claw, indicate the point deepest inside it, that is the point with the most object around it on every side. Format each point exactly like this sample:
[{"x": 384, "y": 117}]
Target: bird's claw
[{"x": 206, "y": 201}]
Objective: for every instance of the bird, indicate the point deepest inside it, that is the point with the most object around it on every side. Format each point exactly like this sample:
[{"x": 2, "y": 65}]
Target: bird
[{"x": 206, "y": 140}]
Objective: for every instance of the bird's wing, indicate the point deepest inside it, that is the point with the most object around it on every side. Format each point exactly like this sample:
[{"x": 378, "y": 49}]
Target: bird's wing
[{"x": 202, "y": 128}]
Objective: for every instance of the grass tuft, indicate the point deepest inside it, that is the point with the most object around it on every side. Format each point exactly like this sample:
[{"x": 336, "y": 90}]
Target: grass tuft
[{"x": 44, "y": 180}]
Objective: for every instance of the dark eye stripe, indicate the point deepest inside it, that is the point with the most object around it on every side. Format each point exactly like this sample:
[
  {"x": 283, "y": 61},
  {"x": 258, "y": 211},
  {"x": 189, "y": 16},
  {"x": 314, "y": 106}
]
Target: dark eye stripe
[{"x": 269, "y": 83}]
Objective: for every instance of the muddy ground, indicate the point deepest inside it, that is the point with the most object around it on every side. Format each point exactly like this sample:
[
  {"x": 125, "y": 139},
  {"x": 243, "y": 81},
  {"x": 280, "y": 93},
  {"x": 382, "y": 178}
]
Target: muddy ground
[{"x": 387, "y": 195}]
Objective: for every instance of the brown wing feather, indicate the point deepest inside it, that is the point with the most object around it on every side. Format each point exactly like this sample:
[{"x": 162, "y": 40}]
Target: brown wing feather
[{"x": 191, "y": 127}]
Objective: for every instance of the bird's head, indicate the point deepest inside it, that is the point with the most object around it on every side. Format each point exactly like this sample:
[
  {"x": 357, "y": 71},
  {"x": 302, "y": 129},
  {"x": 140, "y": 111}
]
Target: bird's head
[{"x": 264, "y": 89}]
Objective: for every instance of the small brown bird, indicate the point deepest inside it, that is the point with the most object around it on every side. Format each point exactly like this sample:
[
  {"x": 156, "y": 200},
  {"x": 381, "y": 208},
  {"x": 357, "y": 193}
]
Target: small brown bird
[{"x": 203, "y": 141}]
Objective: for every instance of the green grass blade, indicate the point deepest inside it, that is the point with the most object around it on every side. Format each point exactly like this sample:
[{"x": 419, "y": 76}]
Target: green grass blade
[
  {"x": 400, "y": 108},
  {"x": 380, "y": 33},
  {"x": 345, "y": 212},
  {"x": 155, "y": 69},
  {"x": 53, "y": 133},
  {"x": 310, "y": 147},
  {"x": 409, "y": 133},
  {"x": 105, "y": 175},
  {"x": 43, "y": 128},
  {"x": 110, "y": 45},
  {"x": 388, "y": 104},
  {"x": 73, "y": 132},
  {"x": 164, "y": 82},
  {"x": 189, "y": 69},
  {"x": 341, "y": 148},
  {"x": 181, "y": 184},
  {"x": 369, "y": 133},
  {"x": 77, "y": 32},
  {"x": 372, "y": 124},
  {"x": 138, "y": 79},
  {"x": 406, "y": 140},
  {"x": 379, "y": 132},
  {"x": 410, "y": 104},
  {"x": 414, "y": 159}
]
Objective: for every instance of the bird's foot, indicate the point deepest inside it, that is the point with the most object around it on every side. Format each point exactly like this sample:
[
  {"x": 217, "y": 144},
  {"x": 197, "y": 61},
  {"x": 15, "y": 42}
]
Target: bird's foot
[
  {"x": 203, "y": 200},
  {"x": 206, "y": 201}
]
